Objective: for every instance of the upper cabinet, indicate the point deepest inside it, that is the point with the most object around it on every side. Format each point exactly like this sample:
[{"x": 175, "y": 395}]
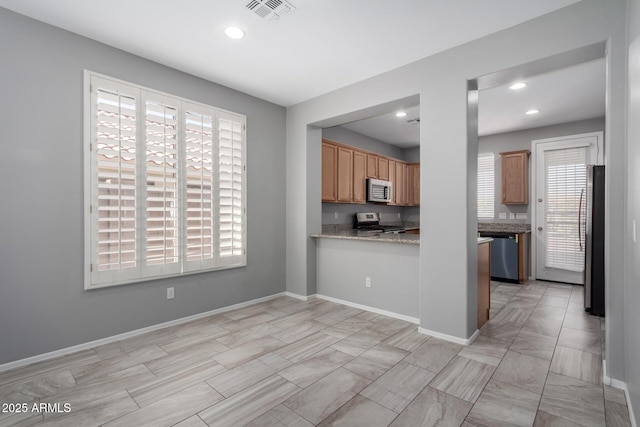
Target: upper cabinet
[
  {"x": 383, "y": 168},
  {"x": 359, "y": 177},
  {"x": 345, "y": 171},
  {"x": 515, "y": 177},
  {"x": 392, "y": 178},
  {"x": 345, "y": 175},
  {"x": 414, "y": 185},
  {"x": 329, "y": 172},
  {"x": 372, "y": 166}
]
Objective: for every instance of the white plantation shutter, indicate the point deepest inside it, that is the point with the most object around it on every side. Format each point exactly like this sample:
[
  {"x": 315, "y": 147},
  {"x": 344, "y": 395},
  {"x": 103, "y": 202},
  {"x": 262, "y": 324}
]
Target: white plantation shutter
[
  {"x": 114, "y": 204},
  {"x": 486, "y": 186},
  {"x": 166, "y": 185},
  {"x": 199, "y": 142},
  {"x": 565, "y": 184},
  {"x": 231, "y": 188},
  {"x": 161, "y": 168}
]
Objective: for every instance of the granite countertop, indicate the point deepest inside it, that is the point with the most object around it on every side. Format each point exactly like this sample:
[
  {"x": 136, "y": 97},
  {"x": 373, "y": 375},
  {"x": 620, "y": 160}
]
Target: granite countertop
[
  {"x": 505, "y": 227},
  {"x": 412, "y": 239},
  {"x": 350, "y": 234}
]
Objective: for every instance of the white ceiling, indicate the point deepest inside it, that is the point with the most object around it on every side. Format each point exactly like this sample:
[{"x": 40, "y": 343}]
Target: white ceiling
[
  {"x": 322, "y": 46},
  {"x": 566, "y": 95},
  {"x": 562, "y": 96}
]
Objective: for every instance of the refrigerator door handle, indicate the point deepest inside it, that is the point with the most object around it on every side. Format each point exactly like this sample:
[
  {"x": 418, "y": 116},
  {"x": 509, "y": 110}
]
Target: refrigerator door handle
[{"x": 580, "y": 220}]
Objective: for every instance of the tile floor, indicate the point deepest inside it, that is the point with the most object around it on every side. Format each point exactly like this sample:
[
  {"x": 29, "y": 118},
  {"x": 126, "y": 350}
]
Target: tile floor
[{"x": 285, "y": 362}]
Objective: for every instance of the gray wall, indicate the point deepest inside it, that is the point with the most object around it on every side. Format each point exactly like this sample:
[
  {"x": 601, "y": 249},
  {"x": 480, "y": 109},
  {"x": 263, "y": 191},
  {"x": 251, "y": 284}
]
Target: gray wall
[
  {"x": 393, "y": 268},
  {"x": 631, "y": 296},
  {"x": 345, "y": 212},
  {"x": 448, "y": 150},
  {"x": 412, "y": 155},
  {"x": 355, "y": 139},
  {"x": 43, "y": 306},
  {"x": 521, "y": 140}
]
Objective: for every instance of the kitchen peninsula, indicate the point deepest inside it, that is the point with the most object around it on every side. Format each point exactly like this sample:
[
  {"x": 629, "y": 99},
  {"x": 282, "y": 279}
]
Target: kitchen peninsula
[{"x": 373, "y": 270}]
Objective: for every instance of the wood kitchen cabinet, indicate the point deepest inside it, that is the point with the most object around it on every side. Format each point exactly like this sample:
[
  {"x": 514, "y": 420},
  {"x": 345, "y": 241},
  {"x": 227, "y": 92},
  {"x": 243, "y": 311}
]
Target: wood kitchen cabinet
[
  {"x": 399, "y": 184},
  {"x": 329, "y": 172},
  {"x": 405, "y": 185},
  {"x": 484, "y": 283},
  {"x": 383, "y": 168},
  {"x": 515, "y": 177},
  {"x": 359, "y": 177},
  {"x": 372, "y": 166},
  {"x": 345, "y": 171},
  {"x": 392, "y": 178},
  {"x": 523, "y": 256},
  {"x": 345, "y": 175},
  {"x": 413, "y": 187}
]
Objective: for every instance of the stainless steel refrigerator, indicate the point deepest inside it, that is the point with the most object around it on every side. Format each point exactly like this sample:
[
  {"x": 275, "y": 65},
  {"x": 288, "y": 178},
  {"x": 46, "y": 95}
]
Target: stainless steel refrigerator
[{"x": 594, "y": 241}]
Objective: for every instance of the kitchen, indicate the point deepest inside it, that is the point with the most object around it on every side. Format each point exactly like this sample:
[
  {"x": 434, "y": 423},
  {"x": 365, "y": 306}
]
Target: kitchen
[{"x": 384, "y": 279}]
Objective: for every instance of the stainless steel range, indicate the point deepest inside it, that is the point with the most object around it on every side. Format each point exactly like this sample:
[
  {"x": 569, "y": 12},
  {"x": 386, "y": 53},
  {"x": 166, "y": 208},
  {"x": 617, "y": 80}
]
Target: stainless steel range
[{"x": 370, "y": 221}]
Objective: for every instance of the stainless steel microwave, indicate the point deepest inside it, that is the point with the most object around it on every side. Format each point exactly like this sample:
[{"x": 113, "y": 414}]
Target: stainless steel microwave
[{"x": 378, "y": 190}]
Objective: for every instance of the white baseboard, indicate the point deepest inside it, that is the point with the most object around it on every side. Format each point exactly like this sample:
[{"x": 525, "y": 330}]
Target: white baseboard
[
  {"x": 371, "y": 309},
  {"x": 88, "y": 345},
  {"x": 300, "y": 297},
  {"x": 451, "y": 338},
  {"x": 632, "y": 417},
  {"x": 606, "y": 380}
]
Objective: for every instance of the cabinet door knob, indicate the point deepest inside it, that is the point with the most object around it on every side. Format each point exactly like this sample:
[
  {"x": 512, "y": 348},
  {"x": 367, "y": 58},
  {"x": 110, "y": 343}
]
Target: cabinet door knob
[
  {"x": 540, "y": 200},
  {"x": 539, "y": 228}
]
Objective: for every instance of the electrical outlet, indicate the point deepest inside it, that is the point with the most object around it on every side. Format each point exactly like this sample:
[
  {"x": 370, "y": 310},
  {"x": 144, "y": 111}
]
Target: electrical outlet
[
  {"x": 170, "y": 293},
  {"x": 512, "y": 215},
  {"x": 367, "y": 282},
  {"x": 521, "y": 216},
  {"x": 398, "y": 215},
  {"x": 335, "y": 215},
  {"x": 502, "y": 215}
]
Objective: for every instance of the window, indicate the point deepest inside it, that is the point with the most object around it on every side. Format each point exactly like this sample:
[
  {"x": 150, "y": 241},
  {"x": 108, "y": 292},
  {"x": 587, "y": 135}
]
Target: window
[
  {"x": 166, "y": 185},
  {"x": 486, "y": 186},
  {"x": 565, "y": 182}
]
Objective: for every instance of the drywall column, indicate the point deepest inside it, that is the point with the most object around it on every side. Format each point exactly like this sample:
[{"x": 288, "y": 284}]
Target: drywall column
[
  {"x": 296, "y": 207},
  {"x": 615, "y": 197},
  {"x": 446, "y": 252},
  {"x": 632, "y": 290}
]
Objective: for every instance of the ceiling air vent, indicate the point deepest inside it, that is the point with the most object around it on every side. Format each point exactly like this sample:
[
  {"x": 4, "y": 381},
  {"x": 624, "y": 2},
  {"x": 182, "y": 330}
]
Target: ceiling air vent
[{"x": 270, "y": 10}]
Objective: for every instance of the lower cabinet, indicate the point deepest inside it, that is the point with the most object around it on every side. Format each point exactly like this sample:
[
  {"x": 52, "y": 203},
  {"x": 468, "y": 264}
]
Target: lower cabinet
[
  {"x": 523, "y": 256},
  {"x": 484, "y": 283}
]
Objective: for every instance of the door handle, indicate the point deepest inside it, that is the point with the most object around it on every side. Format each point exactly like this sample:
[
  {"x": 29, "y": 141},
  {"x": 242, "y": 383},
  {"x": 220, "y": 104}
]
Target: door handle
[{"x": 579, "y": 221}]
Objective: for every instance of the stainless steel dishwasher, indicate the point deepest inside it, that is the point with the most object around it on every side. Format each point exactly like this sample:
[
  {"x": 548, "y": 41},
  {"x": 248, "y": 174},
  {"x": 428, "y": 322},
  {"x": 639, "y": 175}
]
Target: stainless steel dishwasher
[{"x": 504, "y": 255}]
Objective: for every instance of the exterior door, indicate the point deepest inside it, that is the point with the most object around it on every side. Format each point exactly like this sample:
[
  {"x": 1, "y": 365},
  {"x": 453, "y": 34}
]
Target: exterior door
[{"x": 560, "y": 204}]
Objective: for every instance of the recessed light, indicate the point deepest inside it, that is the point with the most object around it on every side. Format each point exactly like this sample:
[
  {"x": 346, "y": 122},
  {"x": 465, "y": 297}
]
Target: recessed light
[
  {"x": 234, "y": 32},
  {"x": 401, "y": 114},
  {"x": 517, "y": 86},
  {"x": 532, "y": 111}
]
